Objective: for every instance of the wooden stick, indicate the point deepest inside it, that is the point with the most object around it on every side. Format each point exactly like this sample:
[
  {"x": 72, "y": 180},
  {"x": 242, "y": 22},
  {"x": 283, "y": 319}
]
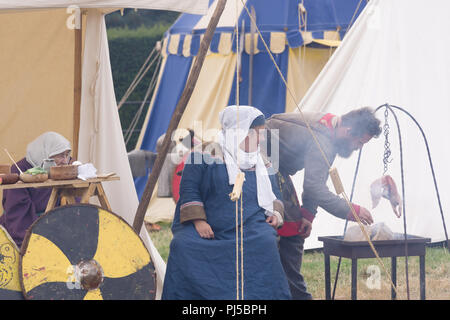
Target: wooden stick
[
  {"x": 77, "y": 86},
  {"x": 13, "y": 161},
  {"x": 176, "y": 117},
  {"x": 237, "y": 189}
]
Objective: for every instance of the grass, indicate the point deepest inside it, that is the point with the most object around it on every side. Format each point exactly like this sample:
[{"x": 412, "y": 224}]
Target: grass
[
  {"x": 437, "y": 269},
  {"x": 161, "y": 239}
]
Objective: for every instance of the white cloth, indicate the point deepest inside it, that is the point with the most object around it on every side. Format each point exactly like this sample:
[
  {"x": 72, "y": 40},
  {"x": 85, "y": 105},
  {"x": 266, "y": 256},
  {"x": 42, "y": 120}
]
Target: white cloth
[
  {"x": 101, "y": 139},
  {"x": 46, "y": 145},
  {"x": 87, "y": 171},
  {"x": 232, "y": 134}
]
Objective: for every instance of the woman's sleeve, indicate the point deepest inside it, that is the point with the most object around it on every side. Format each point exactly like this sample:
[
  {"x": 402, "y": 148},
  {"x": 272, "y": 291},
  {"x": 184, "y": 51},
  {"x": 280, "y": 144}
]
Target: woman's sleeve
[
  {"x": 20, "y": 213},
  {"x": 191, "y": 202},
  {"x": 278, "y": 202}
]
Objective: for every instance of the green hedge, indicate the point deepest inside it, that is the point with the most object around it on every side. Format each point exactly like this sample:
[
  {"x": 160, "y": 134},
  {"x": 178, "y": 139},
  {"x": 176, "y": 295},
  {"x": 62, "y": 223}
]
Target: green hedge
[{"x": 128, "y": 49}]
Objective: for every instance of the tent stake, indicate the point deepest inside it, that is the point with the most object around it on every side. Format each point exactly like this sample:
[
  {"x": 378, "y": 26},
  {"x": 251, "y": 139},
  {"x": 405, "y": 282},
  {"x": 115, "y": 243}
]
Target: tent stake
[{"x": 176, "y": 117}]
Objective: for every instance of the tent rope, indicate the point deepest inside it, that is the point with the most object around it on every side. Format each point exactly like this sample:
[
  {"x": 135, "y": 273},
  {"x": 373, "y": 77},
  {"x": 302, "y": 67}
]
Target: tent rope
[
  {"x": 141, "y": 73},
  {"x": 241, "y": 235},
  {"x": 346, "y": 223},
  {"x": 353, "y": 17},
  {"x": 134, "y": 122},
  {"x": 357, "y": 219}
]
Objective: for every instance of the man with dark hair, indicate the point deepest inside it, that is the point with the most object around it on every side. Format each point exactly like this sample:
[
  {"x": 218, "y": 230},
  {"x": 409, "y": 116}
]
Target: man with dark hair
[{"x": 299, "y": 150}]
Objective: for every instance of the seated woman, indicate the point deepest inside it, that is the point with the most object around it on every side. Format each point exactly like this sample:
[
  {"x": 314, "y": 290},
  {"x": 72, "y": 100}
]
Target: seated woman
[
  {"x": 23, "y": 206},
  {"x": 202, "y": 261}
]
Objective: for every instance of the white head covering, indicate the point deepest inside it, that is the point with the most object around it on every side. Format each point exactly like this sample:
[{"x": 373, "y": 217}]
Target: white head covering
[
  {"x": 232, "y": 134},
  {"x": 46, "y": 145}
]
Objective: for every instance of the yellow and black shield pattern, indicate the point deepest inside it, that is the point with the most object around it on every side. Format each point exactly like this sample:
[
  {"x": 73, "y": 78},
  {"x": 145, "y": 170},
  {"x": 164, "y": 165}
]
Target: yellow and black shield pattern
[
  {"x": 9, "y": 268},
  {"x": 62, "y": 239}
]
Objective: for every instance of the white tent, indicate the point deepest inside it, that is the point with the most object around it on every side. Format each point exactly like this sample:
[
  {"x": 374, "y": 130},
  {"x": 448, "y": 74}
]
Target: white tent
[
  {"x": 395, "y": 53},
  {"x": 37, "y": 81}
]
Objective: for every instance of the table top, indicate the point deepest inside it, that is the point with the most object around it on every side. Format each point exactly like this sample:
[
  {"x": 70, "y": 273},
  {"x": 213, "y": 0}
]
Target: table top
[
  {"x": 53, "y": 183},
  {"x": 399, "y": 238}
]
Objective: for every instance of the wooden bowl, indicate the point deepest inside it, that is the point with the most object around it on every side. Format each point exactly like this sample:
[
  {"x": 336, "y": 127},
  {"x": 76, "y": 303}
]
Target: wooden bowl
[
  {"x": 9, "y": 178},
  {"x": 29, "y": 178},
  {"x": 67, "y": 172},
  {"x": 5, "y": 168}
]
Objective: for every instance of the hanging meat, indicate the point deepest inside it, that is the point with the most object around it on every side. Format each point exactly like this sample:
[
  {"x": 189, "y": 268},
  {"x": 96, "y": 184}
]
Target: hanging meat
[{"x": 385, "y": 187}]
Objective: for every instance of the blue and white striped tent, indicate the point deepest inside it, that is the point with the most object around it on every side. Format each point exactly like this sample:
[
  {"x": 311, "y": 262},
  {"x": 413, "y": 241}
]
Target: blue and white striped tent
[{"x": 301, "y": 35}]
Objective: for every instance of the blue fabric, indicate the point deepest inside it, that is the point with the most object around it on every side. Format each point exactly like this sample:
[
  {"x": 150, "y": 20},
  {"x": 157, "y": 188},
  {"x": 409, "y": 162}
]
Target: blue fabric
[
  {"x": 329, "y": 14},
  {"x": 198, "y": 268},
  {"x": 273, "y": 16},
  {"x": 269, "y": 91},
  {"x": 282, "y": 16}
]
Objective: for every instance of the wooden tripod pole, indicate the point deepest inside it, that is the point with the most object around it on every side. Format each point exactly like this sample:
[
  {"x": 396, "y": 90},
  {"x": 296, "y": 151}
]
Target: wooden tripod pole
[{"x": 176, "y": 117}]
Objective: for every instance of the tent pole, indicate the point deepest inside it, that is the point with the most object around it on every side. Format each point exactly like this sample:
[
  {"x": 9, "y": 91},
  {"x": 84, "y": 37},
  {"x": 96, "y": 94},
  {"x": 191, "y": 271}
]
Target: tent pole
[
  {"x": 176, "y": 117},
  {"x": 252, "y": 53},
  {"x": 77, "y": 85}
]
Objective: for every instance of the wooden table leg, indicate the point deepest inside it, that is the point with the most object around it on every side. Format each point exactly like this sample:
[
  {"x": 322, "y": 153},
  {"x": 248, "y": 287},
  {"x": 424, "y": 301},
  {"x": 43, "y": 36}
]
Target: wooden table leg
[
  {"x": 52, "y": 200},
  {"x": 422, "y": 277},
  {"x": 394, "y": 277},
  {"x": 327, "y": 278},
  {"x": 354, "y": 278},
  {"x": 88, "y": 193},
  {"x": 102, "y": 197}
]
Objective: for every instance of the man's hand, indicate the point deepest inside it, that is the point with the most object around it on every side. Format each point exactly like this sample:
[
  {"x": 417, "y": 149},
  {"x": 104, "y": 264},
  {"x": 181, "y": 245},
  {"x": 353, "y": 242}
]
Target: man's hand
[
  {"x": 365, "y": 216},
  {"x": 272, "y": 220},
  {"x": 203, "y": 229},
  {"x": 305, "y": 228}
]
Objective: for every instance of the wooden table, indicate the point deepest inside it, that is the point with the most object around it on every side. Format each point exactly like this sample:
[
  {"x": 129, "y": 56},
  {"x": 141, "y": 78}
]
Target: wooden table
[
  {"x": 354, "y": 250},
  {"x": 68, "y": 190}
]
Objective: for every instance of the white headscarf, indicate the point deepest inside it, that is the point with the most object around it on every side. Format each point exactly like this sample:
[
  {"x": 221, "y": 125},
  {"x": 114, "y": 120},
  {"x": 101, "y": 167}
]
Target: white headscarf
[
  {"x": 46, "y": 145},
  {"x": 232, "y": 134}
]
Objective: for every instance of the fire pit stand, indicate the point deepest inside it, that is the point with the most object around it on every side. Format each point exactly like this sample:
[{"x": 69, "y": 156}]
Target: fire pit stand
[{"x": 354, "y": 250}]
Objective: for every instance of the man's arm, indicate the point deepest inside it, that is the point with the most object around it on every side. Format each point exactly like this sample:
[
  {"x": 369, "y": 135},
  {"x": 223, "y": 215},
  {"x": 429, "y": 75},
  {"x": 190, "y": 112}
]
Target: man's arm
[
  {"x": 316, "y": 192},
  {"x": 315, "y": 189}
]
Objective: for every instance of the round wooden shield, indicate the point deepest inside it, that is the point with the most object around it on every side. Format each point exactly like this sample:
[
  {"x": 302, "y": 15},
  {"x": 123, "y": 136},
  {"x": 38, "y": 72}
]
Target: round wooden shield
[
  {"x": 84, "y": 252},
  {"x": 9, "y": 268}
]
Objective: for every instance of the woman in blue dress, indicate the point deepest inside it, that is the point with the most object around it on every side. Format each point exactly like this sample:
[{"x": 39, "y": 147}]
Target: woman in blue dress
[{"x": 202, "y": 260}]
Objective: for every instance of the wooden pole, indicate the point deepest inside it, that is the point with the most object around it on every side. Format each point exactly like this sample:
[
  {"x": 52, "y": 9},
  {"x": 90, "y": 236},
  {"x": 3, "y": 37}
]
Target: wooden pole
[
  {"x": 77, "y": 85},
  {"x": 176, "y": 117},
  {"x": 252, "y": 53}
]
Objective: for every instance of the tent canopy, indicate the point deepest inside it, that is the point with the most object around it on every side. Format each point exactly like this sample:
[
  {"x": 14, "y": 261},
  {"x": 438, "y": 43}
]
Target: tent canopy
[
  {"x": 278, "y": 21},
  {"x": 191, "y": 6}
]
